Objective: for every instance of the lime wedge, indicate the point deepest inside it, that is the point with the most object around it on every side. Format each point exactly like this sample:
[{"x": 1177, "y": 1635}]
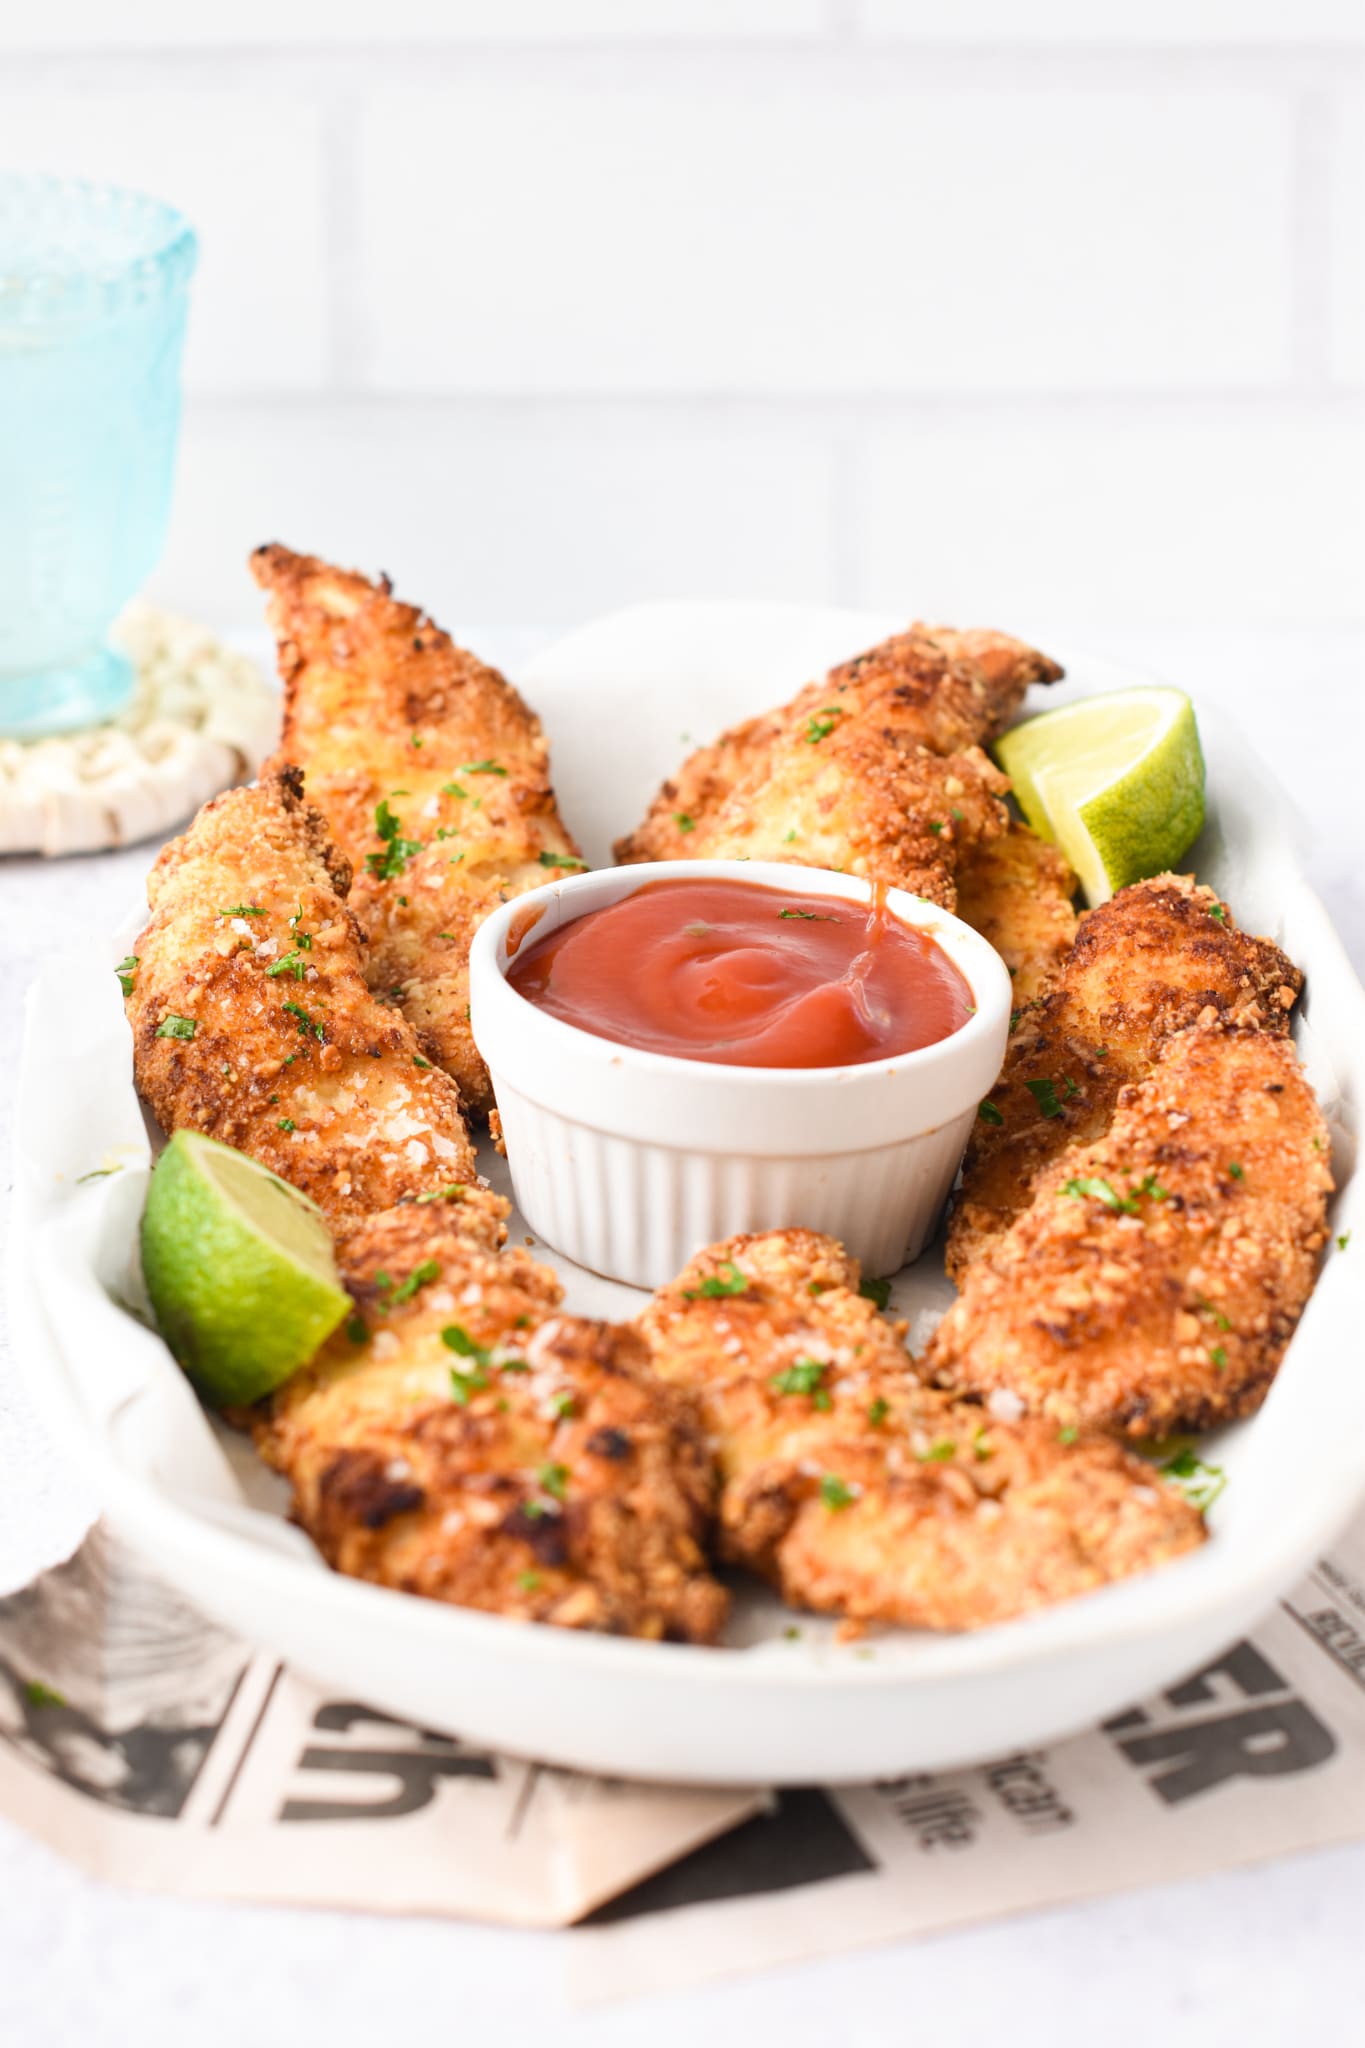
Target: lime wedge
[
  {"x": 1117, "y": 782},
  {"x": 239, "y": 1268}
]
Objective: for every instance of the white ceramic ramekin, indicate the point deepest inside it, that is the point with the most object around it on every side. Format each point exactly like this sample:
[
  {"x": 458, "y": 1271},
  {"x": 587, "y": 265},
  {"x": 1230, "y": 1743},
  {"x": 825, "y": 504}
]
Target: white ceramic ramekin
[{"x": 629, "y": 1162}]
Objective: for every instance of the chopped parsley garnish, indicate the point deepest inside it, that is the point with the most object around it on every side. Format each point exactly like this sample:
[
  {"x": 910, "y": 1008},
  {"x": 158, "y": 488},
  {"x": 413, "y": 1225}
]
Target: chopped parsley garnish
[
  {"x": 286, "y": 1123},
  {"x": 1068, "y": 1435},
  {"x": 418, "y": 1061},
  {"x": 938, "y": 1452},
  {"x": 445, "y": 1194},
  {"x": 416, "y": 740},
  {"x": 418, "y": 1277},
  {"x": 292, "y": 963},
  {"x": 125, "y": 971},
  {"x": 242, "y": 910},
  {"x": 956, "y": 813},
  {"x": 355, "y": 1329},
  {"x": 683, "y": 822},
  {"x": 304, "y": 1023},
  {"x": 878, "y": 1292},
  {"x": 561, "y": 1406},
  {"x": 1201, "y": 1484},
  {"x": 1105, "y": 1191},
  {"x": 97, "y": 1173},
  {"x": 1343, "y": 1240},
  {"x": 982, "y": 1447},
  {"x": 1219, "y": 1357},
  {"x": 176, "y": 1027},
  {"x": 463, "y": 1384},
  {"x": 878, "y": 1412},
  {"x": 553, "y": 1479},
  {"x": 1044, "y": 1094},
  {"x": 527, "y": 1582},
  {"x": 1219, "y": 913},
  {"x": 456, "y": 1338},
  {"x": 1235, "y": 1170},
  {"x": 820, "y": 727},
  {"x": 988, "y": 1113},
  {"x": 805, "y": 1376},
  {"x": 482, "y": 768},
  {"x": 561, "y": 860},
  {"x": 1102, "y": 1191},
  {"x": 397, "y": 852},
  {"x": 811, "y": 916},
  {"x": 787, "y": 837},
  {"x": 835, "y": 1493},
  {"x": 729, "y": 1280},
  {"x": 936, "y": 825},
  {"x": 39, "y": 1695},
  {"x": 1220, "y": 1321},
  {"x": 452, "y": 789}
]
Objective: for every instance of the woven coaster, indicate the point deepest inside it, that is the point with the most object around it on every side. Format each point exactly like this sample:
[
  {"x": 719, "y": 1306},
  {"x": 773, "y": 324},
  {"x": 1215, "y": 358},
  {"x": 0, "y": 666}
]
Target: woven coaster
[{"x": 201, "y": 717}]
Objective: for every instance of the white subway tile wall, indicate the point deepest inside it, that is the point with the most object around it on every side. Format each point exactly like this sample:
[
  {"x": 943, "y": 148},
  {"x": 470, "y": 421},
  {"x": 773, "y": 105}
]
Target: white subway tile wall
[{"x": 1012, "y": 312}]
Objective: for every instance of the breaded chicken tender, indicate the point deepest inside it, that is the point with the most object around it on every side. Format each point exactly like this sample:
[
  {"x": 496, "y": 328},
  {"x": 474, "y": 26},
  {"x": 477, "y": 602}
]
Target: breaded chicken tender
[
  {"x": 252, "y": 1021},
  {"x": 1157, "y": 1276},
  {"x": 1145, "y": 965},
  {"x": 876, "y": 770},
  {"x": 464, "y": 1440},
  {"x": 433, "y": 775},
  {"x": 855, "y": 1489},
  {"x": 1016, "y": 891}
]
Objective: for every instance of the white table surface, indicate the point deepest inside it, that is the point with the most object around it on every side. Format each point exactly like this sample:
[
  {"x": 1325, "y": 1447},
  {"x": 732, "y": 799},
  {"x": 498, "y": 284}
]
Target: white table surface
[{"x": 1252, "y": 1958}]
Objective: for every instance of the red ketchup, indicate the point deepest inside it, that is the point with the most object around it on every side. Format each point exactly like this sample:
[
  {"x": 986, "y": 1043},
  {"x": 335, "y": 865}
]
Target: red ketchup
[{"x": 745, "y": 975}]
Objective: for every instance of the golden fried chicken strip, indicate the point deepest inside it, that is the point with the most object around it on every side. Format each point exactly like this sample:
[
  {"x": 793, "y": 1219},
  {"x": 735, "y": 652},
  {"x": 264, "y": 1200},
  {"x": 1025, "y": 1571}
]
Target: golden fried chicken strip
[
  {"x": 1146, "y": 964},
  {"x": 1016, "y": 891},
  {"x": 1157, "y": 1276},
  {"x": 463, "y": 1440},
  {"x": 855, "y": 1489},
  {"x": 785, "y": 786},
  {"x": 433, "y": 775},
  {"x": 868, "y": 805},
  {"x": 251, "y": 1018}
]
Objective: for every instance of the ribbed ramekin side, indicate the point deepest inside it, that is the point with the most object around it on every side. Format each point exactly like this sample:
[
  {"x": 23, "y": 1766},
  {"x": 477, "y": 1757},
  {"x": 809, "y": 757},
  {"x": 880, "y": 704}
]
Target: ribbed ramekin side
[{"x": 638, "y": 1212}]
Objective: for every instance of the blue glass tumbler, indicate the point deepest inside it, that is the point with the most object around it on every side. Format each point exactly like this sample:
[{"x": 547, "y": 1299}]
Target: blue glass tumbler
[{"x": 94, "y": 285}]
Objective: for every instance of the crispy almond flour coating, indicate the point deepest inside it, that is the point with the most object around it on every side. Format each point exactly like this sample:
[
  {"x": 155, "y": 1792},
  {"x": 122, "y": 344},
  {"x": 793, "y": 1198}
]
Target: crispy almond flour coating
[
  {"x": 464, "y": 1440},
  {"x": 1016, "y": 891},
  {"x": 1145, "y": 965},
  {"x": 251, "y": 1018},
  {"x": 433, "y": 775},
  {"x": 855, "y": 1489},
  {"x": 876, "y": 770},
  {"x": 1157, "y": 1276}
]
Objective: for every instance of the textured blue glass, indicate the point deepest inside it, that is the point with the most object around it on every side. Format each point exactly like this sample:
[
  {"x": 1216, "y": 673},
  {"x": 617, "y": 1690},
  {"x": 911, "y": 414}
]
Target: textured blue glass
[{"x": 93, "y": 290}]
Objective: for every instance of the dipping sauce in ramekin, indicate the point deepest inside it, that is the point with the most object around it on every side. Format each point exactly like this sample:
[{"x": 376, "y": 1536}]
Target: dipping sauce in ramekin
[
  {"x": 778, "y": 1109},
  {"x": 746, "y": 975}
]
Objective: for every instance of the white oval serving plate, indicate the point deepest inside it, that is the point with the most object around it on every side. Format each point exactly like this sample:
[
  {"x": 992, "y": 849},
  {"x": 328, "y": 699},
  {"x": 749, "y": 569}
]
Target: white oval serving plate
[{"x": 622, "y": 700}]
